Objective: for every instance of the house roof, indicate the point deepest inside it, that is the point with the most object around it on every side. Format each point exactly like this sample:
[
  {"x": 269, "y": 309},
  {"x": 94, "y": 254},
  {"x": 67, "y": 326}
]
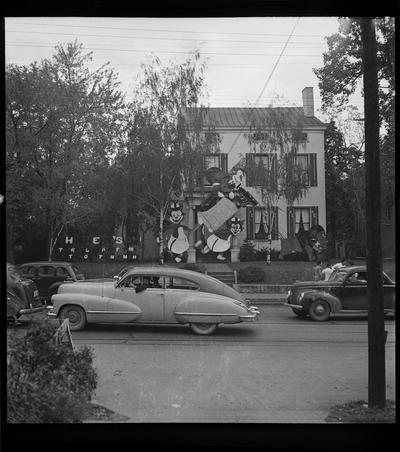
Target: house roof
[{"x": 244, "y": 117}]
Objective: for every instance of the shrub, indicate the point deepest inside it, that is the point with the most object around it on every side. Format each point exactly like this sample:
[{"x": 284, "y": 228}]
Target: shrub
[
  {"x": 247, "y": 251},
  {"x": 250, "y": 275},
  {"x": 296, "y": 257},
  {"x": 194, "y": 267},
  {"x": 261, "y": 254},
  {"x": 47, "y": 382}
]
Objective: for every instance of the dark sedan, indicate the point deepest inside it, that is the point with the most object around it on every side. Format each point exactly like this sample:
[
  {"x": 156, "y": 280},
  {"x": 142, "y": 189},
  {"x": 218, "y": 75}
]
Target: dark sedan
[{"x": 344, "y": 292}]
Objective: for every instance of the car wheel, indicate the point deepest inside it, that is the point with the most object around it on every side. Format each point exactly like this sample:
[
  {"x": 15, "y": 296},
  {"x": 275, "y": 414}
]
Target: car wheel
[
  {"x": 300, "y": 312},
  {"x": 76, "y": 316},
  {"x": 319, "y": 310},
  {"x": 203, "y": 328}
]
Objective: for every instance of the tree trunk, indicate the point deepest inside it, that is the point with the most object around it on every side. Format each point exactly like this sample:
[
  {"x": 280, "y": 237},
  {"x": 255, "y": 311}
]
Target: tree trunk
[{"x": 161, "y": 251}]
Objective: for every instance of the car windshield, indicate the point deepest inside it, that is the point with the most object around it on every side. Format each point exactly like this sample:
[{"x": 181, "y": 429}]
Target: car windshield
[
  {"x": 75, "y": 269},
  {"x": 338, "y": 276}
]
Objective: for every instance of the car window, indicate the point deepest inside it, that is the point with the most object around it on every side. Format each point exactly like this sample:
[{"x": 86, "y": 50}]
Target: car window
[
  {"x": 29, "y": 271},
  {"x": 42, "y": 271},
  {"x": 60, "y": 271},
  {"x": 357, "y": 278},
  {"x": 147, "y": 281},
  {"x": 75, "y": 269},
  {"x": 173, "y": 282}
]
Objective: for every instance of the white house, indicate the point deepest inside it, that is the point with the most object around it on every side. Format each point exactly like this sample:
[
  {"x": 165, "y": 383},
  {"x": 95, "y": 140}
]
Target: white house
[{"x": 233, "y": 127}]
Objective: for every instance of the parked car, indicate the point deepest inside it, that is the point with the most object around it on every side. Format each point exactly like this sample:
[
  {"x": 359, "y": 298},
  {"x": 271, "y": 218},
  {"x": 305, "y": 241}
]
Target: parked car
[
  {"x": 153, "y": 295},
  {"x": 22, "y": 295},
  {"x": 48, "y": 276},
  {"x": 344, "y": 292}
]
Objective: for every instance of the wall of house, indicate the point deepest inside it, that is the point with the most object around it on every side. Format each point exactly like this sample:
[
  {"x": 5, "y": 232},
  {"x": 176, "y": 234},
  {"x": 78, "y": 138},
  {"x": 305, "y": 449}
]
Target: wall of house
[{"x": 235, "y": 144}]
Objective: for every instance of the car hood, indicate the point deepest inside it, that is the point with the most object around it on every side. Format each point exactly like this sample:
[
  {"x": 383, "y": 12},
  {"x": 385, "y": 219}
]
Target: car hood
[{"x": 315, "y": 284}]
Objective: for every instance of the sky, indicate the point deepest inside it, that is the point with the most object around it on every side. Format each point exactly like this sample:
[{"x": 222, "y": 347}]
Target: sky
[{"x": 251, "y": 61}]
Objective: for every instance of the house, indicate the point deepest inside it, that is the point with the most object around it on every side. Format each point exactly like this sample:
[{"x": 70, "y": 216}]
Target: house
[{"x": 245, "y": 135}]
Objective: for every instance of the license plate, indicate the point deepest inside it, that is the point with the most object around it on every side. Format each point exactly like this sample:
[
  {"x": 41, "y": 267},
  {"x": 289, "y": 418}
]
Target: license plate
[{"x": 36, "y": 293}]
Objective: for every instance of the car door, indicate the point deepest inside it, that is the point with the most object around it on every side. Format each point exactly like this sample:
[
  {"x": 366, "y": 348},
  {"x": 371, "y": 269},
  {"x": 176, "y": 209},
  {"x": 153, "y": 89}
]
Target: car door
[
  {"x": 150, "y": 300},
  {"x": 354, "y": 294},
  {"x": 176, "y": 290},
  {"x": 389, "y": 293}
]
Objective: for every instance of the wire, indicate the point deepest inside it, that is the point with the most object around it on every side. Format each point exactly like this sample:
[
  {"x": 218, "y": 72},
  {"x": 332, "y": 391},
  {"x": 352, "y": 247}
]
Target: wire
[{"x": 266, "y": 83}]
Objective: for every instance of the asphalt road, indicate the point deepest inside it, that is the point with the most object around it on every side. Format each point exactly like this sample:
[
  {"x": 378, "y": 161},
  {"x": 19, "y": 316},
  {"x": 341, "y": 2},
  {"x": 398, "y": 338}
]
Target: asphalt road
[{"x": 280, "y": 369}]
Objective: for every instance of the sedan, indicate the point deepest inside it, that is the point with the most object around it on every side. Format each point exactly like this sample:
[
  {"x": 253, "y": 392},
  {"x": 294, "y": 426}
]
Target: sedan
[
  {"x": 153, "y": 295},
  {"x": 344, "y": 292}
]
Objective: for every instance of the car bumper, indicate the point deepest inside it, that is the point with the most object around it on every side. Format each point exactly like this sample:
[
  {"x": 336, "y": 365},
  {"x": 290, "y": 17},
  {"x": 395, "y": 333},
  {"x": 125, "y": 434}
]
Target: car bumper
[
  {"x": 253, "y": 315},
  {"x": 31, "y": 310},
  {"x": 50, "y": 313}
]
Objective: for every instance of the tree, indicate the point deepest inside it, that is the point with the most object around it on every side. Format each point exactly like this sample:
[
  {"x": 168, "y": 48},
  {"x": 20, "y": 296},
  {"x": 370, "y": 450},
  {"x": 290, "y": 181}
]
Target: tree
[
  {"x": 280, "y": 174},
  {"x": 62, "y": 124},
  {"x": 163, "y": 150},
  {"x": 341, "y": 76},
  {"x": 345, "y": 185}
]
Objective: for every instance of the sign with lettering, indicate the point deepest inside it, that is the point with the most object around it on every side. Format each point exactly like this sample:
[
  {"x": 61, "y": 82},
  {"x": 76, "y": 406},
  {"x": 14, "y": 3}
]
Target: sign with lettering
[{"x": 94, "y": 249}]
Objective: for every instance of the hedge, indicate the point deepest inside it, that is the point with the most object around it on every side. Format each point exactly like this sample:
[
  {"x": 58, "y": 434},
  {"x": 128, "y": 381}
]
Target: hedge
[{"x": 47, "y": 383}]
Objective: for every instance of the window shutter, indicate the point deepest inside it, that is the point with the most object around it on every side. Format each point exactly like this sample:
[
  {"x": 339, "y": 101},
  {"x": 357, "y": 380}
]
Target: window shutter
[
  {"x": 224, "y": 162},
  {"x": 249, "y": 170},
  {"x": 274, "y": 173},
  {"x": 313, "y": 169},
  {"x": 275, "y": 235},
  {"x": 314, "y": 215},
  {"x": 250, "y": 223},
  {"x": 290, "y": 222}
]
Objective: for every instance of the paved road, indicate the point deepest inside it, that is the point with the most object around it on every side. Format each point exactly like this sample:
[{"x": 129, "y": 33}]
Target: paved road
[{"x": 280, "y": 369}]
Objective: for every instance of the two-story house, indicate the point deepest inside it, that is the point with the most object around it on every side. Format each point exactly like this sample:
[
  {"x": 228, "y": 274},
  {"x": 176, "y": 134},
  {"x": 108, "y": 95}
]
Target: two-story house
[{"x": 234, "y": 126}]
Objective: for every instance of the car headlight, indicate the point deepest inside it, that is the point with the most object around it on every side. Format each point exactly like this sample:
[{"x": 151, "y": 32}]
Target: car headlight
[
  {"x": 301, "y": 296},
  {"x": 289, "y": 292}
]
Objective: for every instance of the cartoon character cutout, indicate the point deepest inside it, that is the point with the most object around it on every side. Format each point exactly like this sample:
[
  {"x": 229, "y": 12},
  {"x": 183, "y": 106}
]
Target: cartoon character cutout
[
  {"x": 220, "y": 240},
  {"x": 177, "y": 243}
]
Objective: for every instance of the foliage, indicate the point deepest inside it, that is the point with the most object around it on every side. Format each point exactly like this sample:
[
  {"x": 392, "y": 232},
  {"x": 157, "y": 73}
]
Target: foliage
[
  {"x": 344, "y": 188},
  {"x": 297, "y": 256},
  {"x": 47, "y": 382},
  {"x": 194, "y": 267},
  {"x": 262, "y": 254},
  {"x": 249, "y": 275},
  {"x": 247, "y": 251},
  {"x": 163, "y": 151},
  {"x": 62, "y": 125}
]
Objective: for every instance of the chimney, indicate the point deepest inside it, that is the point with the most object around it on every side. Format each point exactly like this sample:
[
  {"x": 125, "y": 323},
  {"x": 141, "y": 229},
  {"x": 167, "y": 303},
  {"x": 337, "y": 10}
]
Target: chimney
[{"x": 308, "y": 101}]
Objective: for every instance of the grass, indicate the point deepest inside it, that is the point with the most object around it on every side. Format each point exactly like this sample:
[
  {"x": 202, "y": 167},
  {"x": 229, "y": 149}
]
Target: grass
[{"x": 359, "y": 412}]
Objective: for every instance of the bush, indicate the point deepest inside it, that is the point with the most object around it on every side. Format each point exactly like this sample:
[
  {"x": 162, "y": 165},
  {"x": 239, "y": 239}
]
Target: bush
[
  {"x": 247, "y": 251},
  {"x": 296, "y": 257},
  {"x": 194, "y": 267},
  {"x": 46, "y": 382},
  {"x": 250, "y": 275},
  {"x": 261, "y": 254}
]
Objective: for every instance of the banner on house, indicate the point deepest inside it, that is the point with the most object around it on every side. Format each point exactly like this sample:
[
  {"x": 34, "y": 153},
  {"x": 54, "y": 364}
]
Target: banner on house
[{"x": 94, "y": 249}]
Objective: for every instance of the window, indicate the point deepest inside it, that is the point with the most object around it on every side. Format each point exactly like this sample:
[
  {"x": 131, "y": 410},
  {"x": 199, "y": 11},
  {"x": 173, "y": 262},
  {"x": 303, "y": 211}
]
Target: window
[
  {"x": 43, "y": 271},
  {"x": 60, "y": 271},
  {"x": 261, "y": 170},
  {"x": 260, "y": 222},
  {"x": 173, "y": 282},
  {"x": 297, "y": 216},
  {"x": 28, "y": 271},
  {"x": 216, "y": 161},
  {"x": 306, "y": 164}
]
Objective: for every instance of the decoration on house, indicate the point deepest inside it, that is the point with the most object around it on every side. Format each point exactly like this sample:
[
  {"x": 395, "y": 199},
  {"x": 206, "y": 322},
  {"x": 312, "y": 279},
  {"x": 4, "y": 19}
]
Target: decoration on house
[
  {"x": 220, "y": 240},
  {"x": 313, "y": 241},
  {"x": 177, "y": 243}
]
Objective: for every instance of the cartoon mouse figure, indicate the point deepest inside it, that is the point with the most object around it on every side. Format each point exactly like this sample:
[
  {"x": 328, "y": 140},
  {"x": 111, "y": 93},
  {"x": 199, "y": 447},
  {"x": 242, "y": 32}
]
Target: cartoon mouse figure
[
  {"x": 220, "y": 240},
  {"x": 178, "y": 242}
]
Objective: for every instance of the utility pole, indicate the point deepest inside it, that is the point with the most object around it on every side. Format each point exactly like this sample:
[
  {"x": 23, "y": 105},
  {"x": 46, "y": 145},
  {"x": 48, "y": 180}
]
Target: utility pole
[{"x": 376, "y": 321}]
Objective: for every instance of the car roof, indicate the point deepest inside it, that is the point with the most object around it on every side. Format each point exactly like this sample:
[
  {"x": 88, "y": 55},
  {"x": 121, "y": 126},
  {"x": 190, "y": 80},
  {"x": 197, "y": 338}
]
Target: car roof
[
  {"x": 350, "y": 268},
  {"x": 171, "y": 271}
]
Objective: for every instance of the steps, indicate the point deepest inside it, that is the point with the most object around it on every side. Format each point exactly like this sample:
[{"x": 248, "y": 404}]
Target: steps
[{"x": 225, "y": 277}]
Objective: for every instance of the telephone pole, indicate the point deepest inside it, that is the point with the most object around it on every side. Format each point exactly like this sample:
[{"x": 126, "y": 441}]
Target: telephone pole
[{"x": 376, "y": 321}]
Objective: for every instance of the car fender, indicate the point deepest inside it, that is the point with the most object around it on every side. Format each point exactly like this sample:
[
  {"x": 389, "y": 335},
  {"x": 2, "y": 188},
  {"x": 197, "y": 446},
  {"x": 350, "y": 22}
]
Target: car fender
[
  {"x": 97, "y": 307},
  {"x": 312, "y": 295},
  {"x": 209, "y": 308}
]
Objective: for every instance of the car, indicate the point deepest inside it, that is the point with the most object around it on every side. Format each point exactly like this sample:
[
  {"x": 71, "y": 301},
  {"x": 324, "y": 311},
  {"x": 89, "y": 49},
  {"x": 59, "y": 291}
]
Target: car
[
  {"x": 22, "y": 295},
  {"x": 158, "y": 294},
  {"x": 48, "y": 276},
  {"x": 344, "y": 292}
]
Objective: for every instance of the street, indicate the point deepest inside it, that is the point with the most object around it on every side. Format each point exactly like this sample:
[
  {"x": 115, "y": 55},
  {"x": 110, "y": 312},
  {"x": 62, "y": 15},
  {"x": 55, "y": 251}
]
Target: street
[{"x": 280, "y": 369}]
